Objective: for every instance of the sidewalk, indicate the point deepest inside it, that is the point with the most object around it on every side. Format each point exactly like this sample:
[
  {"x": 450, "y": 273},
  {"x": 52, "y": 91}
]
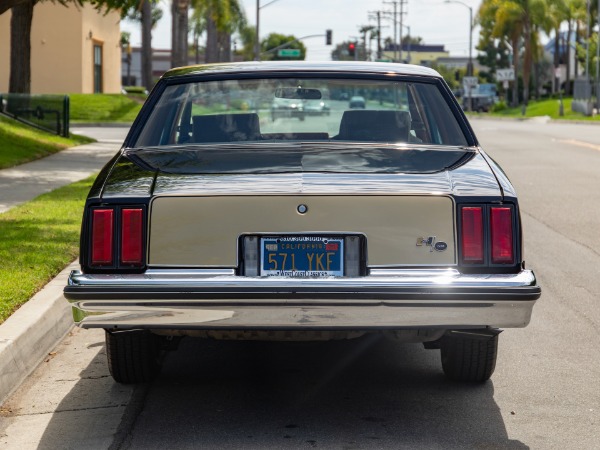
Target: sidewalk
[
  {"x": 33, "y": 330},
  {"x": 25, "y": 182}
]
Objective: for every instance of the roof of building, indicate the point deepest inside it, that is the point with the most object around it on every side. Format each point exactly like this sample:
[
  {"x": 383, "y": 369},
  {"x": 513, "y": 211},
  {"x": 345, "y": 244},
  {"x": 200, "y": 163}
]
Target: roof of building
[{"x": 434, "y": 48}]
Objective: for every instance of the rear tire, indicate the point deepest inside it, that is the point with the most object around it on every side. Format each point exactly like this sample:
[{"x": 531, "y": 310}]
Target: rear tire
[
  {"x": 469, "y": 359},
  {"x": 133, "y": 356}
]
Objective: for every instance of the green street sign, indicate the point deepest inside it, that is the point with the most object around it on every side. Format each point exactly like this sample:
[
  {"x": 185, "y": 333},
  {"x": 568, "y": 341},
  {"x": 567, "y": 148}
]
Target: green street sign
[{"x": 289, "y": 52}]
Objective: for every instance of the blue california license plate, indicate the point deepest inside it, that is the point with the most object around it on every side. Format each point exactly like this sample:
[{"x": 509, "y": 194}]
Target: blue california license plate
[{"x": 302, "y": 256}]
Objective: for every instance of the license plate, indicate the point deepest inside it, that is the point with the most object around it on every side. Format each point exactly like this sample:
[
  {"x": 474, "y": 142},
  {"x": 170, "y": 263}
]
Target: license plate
[{"x": 302, "y": 256}]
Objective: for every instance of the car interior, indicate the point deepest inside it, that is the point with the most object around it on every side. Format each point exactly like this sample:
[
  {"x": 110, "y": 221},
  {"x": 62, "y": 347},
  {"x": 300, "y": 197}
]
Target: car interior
[{"x": 355, "y": 125}]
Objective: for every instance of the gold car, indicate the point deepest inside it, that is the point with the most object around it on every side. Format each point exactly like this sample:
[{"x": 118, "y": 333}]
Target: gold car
[{"x": 215, "y": 221}]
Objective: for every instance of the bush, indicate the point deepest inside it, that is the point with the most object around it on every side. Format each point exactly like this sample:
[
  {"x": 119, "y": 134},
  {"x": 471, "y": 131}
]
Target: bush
[
  {"x": 135, "y": 90},
  {"x": 499, "y": 106}
]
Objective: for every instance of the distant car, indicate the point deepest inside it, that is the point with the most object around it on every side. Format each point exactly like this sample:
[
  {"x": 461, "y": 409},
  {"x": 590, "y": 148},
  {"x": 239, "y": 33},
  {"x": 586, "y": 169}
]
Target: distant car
[
  {"x": 357, "y": 102},
  {"x": 284, "y": 107},
  {"x": 316, "y": 107},
  {"x": 217, "y": 223}
]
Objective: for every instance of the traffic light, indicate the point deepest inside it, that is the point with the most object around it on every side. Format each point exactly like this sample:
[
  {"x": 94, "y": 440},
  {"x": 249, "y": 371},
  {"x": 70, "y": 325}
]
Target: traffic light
[
  {"x": 351, "y": 49},
  {"x": 328, "y": 37}
]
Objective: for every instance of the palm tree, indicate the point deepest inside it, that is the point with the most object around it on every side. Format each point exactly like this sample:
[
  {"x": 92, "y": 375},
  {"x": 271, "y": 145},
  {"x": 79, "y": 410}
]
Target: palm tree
[
  {"x": 504, "y": 19},
  {"x": 514, "y": 20},
  {"x": 223, "y": 17},
  {"x": 179, "y": 32},
  {"x": 556, "y": 14},
  {"x": 148, "y": 13}
]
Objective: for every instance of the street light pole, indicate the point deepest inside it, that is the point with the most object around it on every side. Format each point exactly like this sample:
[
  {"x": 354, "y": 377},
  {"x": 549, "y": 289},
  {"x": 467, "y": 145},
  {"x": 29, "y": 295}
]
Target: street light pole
[
  {"x": 257, "y": 38},
  {"x": 470, "y": 63}
]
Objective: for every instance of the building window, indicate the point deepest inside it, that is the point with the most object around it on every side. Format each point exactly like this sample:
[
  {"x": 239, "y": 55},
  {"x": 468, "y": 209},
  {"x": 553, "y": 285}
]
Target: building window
[{"x": 97, "y": 68}]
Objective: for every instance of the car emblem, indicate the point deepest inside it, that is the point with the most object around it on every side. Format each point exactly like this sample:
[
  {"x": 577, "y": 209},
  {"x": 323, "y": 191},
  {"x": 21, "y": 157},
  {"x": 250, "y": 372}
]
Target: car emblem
[
  {"x": 440, "y": 246},
  {"x": 302, "y": 208},
  {"x": 430, "y": 242}
]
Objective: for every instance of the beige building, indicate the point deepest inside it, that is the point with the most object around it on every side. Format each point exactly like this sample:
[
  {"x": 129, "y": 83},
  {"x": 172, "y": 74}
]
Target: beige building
[
  {"x": 73, "y": 50},
  {"x": 419, "y": 54}
]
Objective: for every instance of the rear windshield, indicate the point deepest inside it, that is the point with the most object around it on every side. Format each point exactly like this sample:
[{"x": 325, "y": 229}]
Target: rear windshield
[{"x": 292, "y": 110}]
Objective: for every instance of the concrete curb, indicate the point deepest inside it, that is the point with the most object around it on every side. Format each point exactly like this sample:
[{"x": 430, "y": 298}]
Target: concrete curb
[{"x": 32, "y": 332}]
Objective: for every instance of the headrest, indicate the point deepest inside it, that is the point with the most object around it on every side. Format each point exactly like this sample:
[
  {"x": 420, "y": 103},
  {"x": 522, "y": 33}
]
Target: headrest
[
  {"x": 375, "y": 126},
  {"x": 226, "y": 128}
]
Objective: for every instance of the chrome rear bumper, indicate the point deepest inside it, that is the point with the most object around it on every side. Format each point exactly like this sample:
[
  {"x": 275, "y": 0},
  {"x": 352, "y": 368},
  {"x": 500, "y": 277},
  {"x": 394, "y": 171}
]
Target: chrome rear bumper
[{"x": 386, "y": 299}]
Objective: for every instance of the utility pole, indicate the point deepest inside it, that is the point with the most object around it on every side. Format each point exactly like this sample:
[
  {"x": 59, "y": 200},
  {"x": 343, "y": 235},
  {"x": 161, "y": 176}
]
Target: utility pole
[
  {"x": 402, "y": 3},
  {"x": 257, "y": 41},
  {"x": 377, "y": 14},
  {"x": 395, "y": 15},
  {"x": 395, "y": 21}
]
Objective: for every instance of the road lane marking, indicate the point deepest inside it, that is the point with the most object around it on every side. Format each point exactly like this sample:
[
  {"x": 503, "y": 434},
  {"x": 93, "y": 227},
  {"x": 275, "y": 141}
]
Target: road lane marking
[{"x": 580, "y": 143}]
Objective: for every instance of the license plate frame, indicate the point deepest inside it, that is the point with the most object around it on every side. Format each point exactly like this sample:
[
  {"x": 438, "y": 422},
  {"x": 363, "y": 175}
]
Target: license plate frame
[{"x": 301, "y": 256}]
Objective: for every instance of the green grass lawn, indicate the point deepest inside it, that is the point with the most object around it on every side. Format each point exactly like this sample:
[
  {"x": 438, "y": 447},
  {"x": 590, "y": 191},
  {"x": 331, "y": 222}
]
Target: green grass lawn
[
  {"x": 105, "y": 107},
  {"x": 38, "y": 239},
  {"x": 546, "y": 108},
  {"x": 21, "y": 143}
]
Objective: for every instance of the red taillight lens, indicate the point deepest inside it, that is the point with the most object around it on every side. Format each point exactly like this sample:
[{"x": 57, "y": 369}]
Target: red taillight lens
[
  {"x": 472, "y": 235},
  {"x": 502, "y": 235},
  {"x": 102, "y": 237},
  {"x": 131, "y": 236}
]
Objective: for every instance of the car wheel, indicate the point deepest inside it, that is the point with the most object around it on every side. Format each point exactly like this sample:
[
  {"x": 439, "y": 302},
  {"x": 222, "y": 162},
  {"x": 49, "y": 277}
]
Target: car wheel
[
  {"x": 301, "y": 117},
  {"x": 469, "y": 358},
  {"x": 133, "y": 356}
]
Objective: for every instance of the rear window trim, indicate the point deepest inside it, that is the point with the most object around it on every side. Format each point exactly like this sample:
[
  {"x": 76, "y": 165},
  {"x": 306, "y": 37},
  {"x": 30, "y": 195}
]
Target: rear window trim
[{"x": 163, "y": 83}]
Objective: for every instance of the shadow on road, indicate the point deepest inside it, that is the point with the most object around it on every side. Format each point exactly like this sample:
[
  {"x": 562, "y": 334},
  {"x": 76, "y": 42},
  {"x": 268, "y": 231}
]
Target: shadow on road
[{"x": 364, "y": 393}]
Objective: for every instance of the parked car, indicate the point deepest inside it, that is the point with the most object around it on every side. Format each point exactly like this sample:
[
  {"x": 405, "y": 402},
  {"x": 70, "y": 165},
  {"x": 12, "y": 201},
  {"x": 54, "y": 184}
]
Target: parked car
[
  {"x": 221, "y": 224},
  {"x": 357, "y": 102},
  {"x": 482, "y": 98}
]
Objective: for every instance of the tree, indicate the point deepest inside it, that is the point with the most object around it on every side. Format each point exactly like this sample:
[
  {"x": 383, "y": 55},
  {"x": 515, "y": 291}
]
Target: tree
[
  {"x": 197, "y": 27},
  {"x": 5, "y": 5},
  {"x": 340, "y": 52},
  {"x": 593, "y": 46},
  {"x": 223, "y": 18},
  {"x": 20, "y": 47},
  {"x": 513, "y": 19},
  {"x": 363, "y": 30},
  {"x": 148, "y": 13},
  {"x": 20, "y": 35},
  {"x": 556, "y": 14},
  {"x": 411, "y": 40},
  {"x": 248, "y": 37},
  {"x": 179, "y": 32},
  {"x": 275, "y": 40}
]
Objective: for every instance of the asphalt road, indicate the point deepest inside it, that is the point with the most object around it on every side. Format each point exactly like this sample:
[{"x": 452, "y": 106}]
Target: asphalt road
[{"x": 368, "y": 393}]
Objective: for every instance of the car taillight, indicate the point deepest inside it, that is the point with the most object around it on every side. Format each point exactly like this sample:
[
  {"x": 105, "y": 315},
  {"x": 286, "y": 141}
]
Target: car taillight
[
  {"x": 472, "y": 235},
  {"x": 501, "y": 235},
  {"x": 131, "y": 236},
  {"x": 102, "y": 237}
]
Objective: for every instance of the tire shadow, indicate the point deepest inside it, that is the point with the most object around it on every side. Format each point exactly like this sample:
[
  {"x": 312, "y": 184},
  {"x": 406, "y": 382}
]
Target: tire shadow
[{"x": 363, "y": 393}]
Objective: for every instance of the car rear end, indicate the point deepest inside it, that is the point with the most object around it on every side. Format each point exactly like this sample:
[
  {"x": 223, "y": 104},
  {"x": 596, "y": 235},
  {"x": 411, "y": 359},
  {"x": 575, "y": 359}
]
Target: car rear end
[{"x": 286, "y": 234}]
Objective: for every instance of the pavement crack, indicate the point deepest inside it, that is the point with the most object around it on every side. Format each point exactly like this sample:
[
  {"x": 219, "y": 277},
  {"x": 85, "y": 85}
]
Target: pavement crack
[{"x": 41, "y": 413}]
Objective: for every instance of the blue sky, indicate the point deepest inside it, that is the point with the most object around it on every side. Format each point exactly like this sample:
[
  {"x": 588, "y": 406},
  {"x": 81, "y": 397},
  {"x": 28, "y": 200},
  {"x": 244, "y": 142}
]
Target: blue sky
[{"x": 435, "y": 21}]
